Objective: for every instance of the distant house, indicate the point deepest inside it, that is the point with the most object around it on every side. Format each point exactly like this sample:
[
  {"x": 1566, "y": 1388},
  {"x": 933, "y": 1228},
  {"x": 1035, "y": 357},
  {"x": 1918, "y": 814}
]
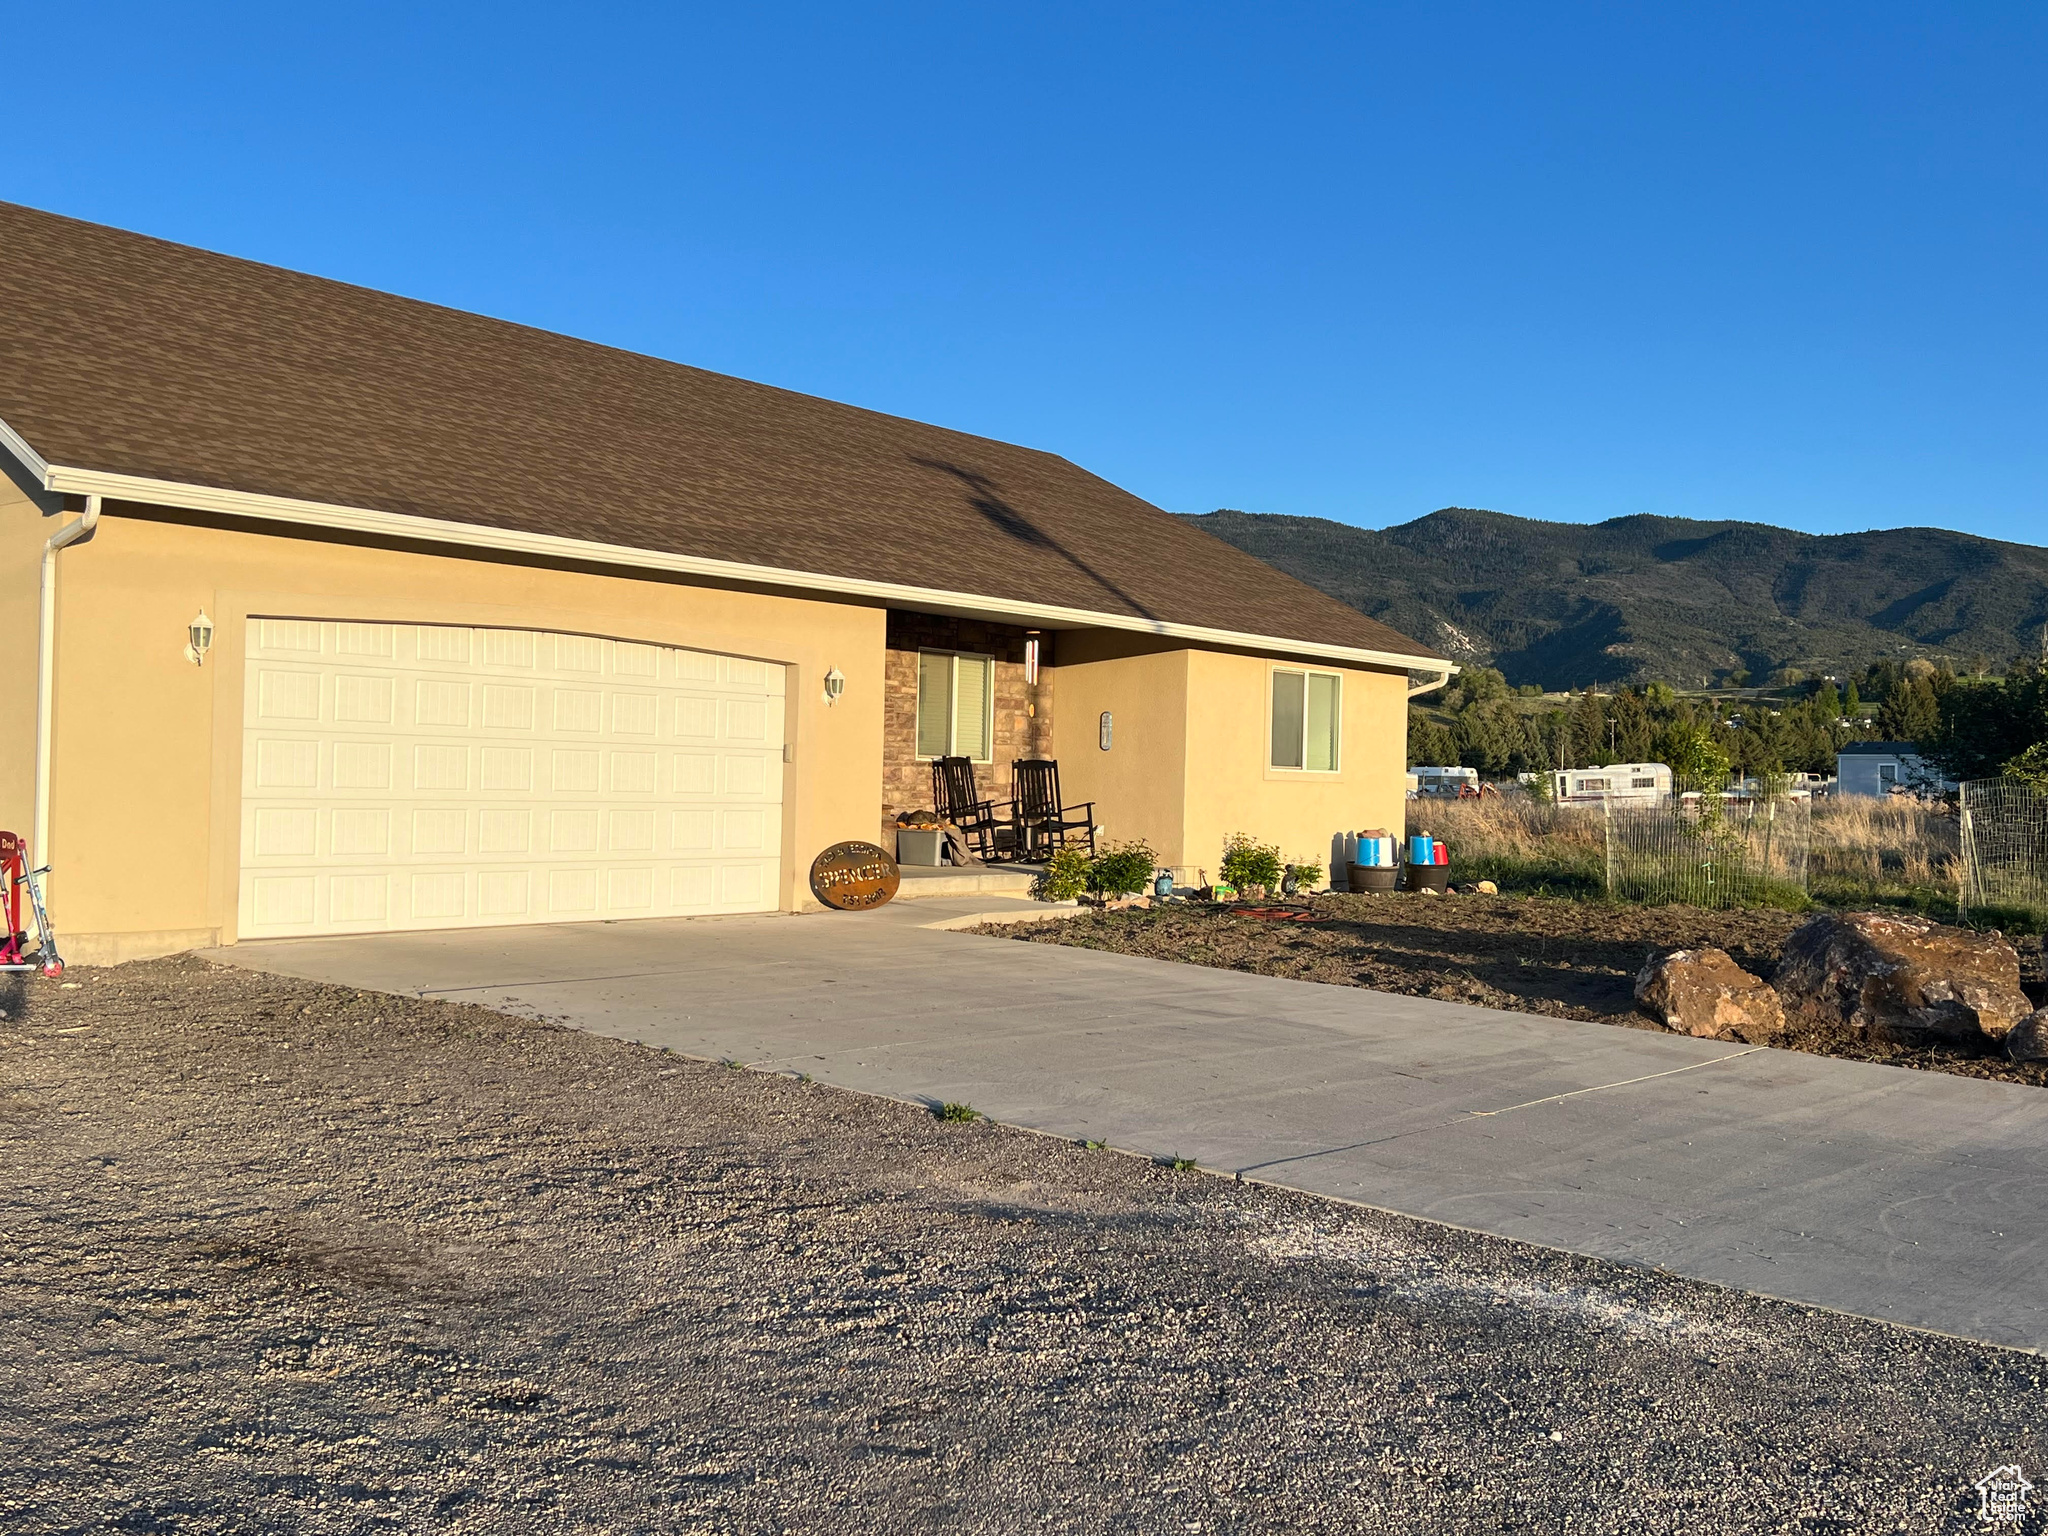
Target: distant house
[
  {"x": 1623, "y": 783},
  {"x": 1879, "y": 767}
]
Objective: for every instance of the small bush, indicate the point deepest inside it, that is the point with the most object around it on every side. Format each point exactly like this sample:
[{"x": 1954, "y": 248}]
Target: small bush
[
  {"x": 1248, "y": 863},
  {"x": 957, "y": 1112},
  {"x": 1123, "y": 869},
  {"x": 1064, "y": 878},
  {"x": 1308, "y": 873}
]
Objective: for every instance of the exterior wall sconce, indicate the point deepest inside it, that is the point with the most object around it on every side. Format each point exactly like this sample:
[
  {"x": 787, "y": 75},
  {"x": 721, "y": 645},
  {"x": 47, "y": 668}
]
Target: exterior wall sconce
[
  {"x": 835, "y": 685},
  {"x": 1031, "y": 657},
  {"x": 198, "y": 639},
  {"x": 1105, "y": 730}
]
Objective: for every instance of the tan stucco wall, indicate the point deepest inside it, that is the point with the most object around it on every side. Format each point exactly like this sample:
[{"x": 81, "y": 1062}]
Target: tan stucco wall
[
  {"x": 1231, "y": 788},
  {"x": 1187, "y": 765},
  {"x": 1138, "y": 785},
  {"x": 22, "y": 531},
  {"x": 147, "y": 773}
]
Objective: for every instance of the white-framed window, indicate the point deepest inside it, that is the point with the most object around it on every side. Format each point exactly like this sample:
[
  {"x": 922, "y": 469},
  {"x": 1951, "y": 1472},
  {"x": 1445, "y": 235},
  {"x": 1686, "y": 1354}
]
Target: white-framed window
[
  {"x": 956, "y": 697},
  {"x": 1308, "y": 709}
]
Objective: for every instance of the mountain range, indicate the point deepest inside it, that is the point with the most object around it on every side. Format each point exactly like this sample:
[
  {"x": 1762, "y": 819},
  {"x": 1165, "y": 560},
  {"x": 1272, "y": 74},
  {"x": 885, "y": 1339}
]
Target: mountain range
[{"x": 1644, "y": 598}]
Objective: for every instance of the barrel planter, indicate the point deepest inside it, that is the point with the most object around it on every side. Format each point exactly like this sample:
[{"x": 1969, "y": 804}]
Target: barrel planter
[
  {"x": 1371, "y": 877},
  {"x": 1429, "y": 877}
]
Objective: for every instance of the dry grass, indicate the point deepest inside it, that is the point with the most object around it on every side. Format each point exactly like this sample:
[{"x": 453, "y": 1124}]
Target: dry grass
[
  {"x": 1884, "y": 846},
  {"x": 1864, "y": 851},
  {"x": 1525, "y": 847}
]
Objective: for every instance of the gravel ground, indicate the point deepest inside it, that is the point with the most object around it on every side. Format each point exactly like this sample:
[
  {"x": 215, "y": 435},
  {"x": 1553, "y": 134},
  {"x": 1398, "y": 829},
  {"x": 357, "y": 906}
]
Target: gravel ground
[
  {"x": 277, "y": 1256},
  {"x": 1568, "y": 959}
]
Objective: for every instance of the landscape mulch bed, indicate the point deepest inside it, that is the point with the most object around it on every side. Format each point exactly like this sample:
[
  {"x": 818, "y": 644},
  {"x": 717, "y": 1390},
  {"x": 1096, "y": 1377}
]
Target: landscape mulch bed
[
  {"x": 283, "y": 1257},
  {"x": 1568, "y": 959}
]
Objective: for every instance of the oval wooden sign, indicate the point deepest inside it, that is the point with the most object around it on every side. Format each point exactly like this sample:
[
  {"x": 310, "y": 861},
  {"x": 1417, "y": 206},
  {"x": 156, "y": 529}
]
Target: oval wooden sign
[{"x": 854, "y": 876}]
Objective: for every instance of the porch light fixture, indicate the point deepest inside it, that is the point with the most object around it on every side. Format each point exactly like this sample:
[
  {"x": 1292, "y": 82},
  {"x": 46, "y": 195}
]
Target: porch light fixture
[
  {"x": 1031, "y": 657},
  {"x": 835, "y": 685},
  {"x": 198, "y": 639},
  {"x": 1105, "y": 730}
]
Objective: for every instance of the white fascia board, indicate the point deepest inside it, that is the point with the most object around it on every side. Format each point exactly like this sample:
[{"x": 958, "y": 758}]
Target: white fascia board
[
  {"x": 14, "y": 443},
  {"x": 402, "y": 525}
]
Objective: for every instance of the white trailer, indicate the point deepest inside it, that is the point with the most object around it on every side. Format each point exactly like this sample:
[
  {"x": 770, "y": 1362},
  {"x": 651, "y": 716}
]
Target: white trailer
[
  {"x": 1621, "y": 783},
  {"x": 1443, "y": 783}
]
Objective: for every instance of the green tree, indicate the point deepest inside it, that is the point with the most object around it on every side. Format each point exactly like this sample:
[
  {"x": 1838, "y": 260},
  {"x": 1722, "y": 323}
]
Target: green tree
[
  {"x": 2031, "y": 766},
  {"x": 1699, "y": 762},
  {"x": 1429, "y": 744},
  {"x": 1986, "y": 725},
  {"x": 1910, "y": 712},
  {"x": 1489, "y": 734},
  {"x": 1589, "y": 730}
]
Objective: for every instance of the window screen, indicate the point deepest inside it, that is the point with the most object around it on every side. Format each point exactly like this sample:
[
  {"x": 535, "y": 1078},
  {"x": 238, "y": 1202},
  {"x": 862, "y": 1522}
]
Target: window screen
[
  {"x": 1307, "y": 720},
  {"x": 934, "y": 705},
  {"x": 955, "y": 699},
  {"x": 970, "y": 707},
  {"x": 1289, "y": 713},
  {"x": 1321, "y": 747}
]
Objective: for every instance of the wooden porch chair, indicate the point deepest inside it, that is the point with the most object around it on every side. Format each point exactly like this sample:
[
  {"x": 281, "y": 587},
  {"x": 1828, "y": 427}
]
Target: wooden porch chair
[
  {"x": 1044, "y": 824},
  {"x": 989, "y": 826}
]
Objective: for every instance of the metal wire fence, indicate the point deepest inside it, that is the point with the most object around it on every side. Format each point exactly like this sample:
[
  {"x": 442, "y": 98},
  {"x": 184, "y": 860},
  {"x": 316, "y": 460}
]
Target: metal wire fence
[
  {"x": 2005, "y": 845},
  {"x": 1707, "y": 853}
]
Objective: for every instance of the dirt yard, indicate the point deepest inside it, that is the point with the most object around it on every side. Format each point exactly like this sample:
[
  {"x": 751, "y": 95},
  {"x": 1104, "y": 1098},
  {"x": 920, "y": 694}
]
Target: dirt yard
[
  {"x": 1570, "y": 959},
  {"x": 277, "y": 1257}
]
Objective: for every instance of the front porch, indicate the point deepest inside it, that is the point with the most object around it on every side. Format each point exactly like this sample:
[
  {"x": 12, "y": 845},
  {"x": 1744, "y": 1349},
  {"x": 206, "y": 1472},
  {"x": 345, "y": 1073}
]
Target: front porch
[{"x": 959, "y": 687}]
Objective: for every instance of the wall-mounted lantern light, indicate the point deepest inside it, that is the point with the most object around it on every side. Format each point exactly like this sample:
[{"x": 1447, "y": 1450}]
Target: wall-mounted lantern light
[
  {"x": 198, "y": 639},
  {"x": 1105, "y": 730},
  {"x": 1031, "y": 657},
  {"x": 835, "y": 685}
]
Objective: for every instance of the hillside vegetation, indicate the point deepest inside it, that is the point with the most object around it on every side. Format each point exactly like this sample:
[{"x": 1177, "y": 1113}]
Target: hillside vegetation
[{"x": 1637, "y": 599}]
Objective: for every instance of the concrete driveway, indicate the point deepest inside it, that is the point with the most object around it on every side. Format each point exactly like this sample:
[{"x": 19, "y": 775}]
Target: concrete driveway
[{"x": 1911, "y": 1196}]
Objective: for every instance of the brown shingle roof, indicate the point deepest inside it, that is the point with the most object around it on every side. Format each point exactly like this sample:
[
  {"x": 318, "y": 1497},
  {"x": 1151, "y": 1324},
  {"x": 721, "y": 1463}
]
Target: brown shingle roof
[{"x": 129, "y": 355}]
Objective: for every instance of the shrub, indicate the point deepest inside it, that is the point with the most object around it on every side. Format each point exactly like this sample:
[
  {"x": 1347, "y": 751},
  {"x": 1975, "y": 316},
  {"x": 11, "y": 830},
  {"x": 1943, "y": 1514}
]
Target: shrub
[
  {"x": 1123, "y": 869},
  {"x": 1308, "y": 873},
  {"x": 1248, "y": 863},
  {"x": 1064, "y": 878}
]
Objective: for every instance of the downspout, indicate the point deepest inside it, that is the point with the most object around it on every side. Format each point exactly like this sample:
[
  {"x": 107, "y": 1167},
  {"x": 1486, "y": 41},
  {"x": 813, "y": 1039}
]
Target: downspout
[
  {"x": 1432, "y": 684},
  {"x": 74, "y": 532}
]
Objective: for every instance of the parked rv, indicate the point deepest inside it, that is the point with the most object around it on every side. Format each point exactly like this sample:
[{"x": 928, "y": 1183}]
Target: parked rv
[{"x": 1620, "y": 783}]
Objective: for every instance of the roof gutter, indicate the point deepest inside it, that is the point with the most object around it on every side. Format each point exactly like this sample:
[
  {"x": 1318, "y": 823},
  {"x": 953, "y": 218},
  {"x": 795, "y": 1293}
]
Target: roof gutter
[
  {"x": 77, "y": 531},
  {"x": 401, "y": 525}
]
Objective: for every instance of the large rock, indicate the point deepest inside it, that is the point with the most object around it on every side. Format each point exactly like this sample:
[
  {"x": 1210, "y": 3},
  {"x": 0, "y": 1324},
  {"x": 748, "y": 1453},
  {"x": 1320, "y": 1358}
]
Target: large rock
[
  {"x": 2028, "y": 1040},
  {"x": 1704, "y": 992},
  {"x": 1903, "y": 979}
]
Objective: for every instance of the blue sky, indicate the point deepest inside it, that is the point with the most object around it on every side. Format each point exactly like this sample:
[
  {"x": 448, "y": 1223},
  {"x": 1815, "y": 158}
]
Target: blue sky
[{"x": 1776, "y": 262}]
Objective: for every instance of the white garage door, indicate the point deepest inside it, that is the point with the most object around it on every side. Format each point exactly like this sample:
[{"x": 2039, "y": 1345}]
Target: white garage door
[{"x": 413, "y": 776}]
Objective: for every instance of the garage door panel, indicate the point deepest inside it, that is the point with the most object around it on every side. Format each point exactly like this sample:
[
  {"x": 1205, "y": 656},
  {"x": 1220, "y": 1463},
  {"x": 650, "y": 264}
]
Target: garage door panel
[{"x": 405, "y": 776}]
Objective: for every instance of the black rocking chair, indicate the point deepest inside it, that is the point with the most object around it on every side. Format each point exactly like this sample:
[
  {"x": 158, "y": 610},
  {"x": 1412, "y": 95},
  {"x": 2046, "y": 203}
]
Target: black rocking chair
[
  {"x": 1046, "y": 826},
  {"x": 987, "y": 826}
]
